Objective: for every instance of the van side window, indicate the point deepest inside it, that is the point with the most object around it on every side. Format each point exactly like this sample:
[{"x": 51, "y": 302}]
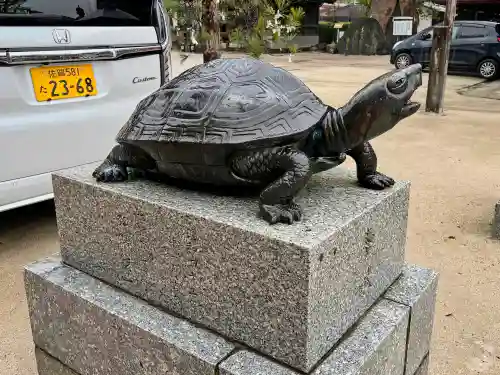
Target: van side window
[{"x": 467, "y": 32}]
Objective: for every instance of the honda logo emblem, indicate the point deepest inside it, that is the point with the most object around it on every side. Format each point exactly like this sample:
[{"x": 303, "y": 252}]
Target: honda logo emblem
[{"x": 61, "y": 36}]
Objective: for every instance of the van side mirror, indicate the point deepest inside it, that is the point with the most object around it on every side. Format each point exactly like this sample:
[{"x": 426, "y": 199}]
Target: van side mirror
[{"x": 425, "y": 36}]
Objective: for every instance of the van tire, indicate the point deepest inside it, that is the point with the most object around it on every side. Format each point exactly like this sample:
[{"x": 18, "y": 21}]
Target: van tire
[
  {"x": 402, "y": 60},
  {"x": 488, "y": 69}
]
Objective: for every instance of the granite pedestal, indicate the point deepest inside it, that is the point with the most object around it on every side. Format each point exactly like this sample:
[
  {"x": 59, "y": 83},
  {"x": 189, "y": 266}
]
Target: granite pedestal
[
  {"x": 82, "y": 326},
  {"x": 153, "y": 279},
  {"x": 287, "y": 291}
]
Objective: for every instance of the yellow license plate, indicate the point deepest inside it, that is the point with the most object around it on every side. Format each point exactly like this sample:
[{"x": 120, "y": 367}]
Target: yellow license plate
[{"x": 63, "y": 82}]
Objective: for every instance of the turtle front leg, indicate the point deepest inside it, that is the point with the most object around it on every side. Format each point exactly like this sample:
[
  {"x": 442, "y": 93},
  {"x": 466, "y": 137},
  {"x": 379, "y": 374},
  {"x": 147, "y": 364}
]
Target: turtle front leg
[
  {"x": 121, "y": 157},
  {"x": 366, "y": 167},
  {"x": 286, "y": 170}
]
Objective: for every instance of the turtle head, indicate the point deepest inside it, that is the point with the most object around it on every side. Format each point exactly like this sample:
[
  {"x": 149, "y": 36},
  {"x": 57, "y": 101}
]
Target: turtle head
[{"x": 381, "y": 104}]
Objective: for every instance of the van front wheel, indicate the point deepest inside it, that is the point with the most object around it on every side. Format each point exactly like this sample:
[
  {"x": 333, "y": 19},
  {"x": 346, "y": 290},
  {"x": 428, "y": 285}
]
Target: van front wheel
[{"x": 402, "y": 60}]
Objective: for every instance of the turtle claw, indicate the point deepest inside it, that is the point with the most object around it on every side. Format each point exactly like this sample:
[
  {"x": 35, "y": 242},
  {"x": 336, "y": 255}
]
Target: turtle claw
[
  {"x": 281, "y": 213},
  {"x": 110, "y": 173},
  {"x": 376, "y": 181}
]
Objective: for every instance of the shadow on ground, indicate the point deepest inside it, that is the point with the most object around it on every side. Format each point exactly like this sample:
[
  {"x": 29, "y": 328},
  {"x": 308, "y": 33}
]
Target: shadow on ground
[{"x": 487, "y": 90}]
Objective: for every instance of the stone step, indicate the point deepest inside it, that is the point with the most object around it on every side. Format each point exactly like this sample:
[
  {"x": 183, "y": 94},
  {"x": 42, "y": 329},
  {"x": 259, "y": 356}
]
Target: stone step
[
  {"x": 88, "y": 325},
  {"x": 423, "y": 369},
  {"x": 48, "y": 365},
  {"x": 91, "y": 327},
  {"x": 289, "y": 291},
  {"x": 416, "y": 288},
  {"x": 376, "y": 346}
]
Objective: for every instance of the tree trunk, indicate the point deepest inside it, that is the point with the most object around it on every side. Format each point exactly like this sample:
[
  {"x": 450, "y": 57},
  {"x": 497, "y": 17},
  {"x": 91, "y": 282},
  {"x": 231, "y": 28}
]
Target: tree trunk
[
  {"x": 210, "y": 22},
  {"x": 409, "y": 9},
  {"x": 382, "y": 11}
]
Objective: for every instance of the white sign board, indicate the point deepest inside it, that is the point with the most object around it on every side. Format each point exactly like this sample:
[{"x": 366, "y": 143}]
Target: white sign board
[
  {"x": 340, "y": 34},
  {"x": 402, "y": 26}
]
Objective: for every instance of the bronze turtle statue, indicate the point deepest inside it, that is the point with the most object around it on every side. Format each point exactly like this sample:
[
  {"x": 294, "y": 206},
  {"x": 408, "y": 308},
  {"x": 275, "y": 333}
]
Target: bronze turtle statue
[{"x": 244, "y": 122}]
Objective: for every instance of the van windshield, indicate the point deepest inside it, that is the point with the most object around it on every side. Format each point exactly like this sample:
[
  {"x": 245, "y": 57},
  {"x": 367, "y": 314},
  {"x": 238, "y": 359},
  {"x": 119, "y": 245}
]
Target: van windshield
[{"x": 76, "y": 12}]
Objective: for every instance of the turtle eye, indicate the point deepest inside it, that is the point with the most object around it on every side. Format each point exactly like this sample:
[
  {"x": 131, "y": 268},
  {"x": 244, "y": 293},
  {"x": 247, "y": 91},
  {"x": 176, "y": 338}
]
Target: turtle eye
[{"x": 397, "y": 83}]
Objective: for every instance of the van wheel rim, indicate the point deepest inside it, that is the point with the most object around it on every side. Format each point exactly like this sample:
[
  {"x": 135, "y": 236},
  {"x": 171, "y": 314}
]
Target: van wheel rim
[
  {"x": 487, "y": 69},
  {"x": 403, "y": 61}
]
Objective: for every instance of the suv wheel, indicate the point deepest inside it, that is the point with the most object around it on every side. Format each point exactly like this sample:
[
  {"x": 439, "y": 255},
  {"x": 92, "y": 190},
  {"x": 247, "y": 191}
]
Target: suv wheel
[
  {"x": 402, "y": 60},
  {"x": 488, "y": 69}
]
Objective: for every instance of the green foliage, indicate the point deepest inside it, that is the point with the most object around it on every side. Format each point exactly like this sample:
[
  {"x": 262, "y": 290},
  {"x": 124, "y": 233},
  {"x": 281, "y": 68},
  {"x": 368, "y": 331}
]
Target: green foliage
[
  {"x": 260, "y": 27},
  {"x": 172, "y": 6},
  {"x": 422, "y": 10},
  {"x": 292, "y": 27},
  {"x": 237, "y": 36},
  {"x": 255, "y": 46},
  {"x": 185, "y": 19},
  {"x": 285, "y": 23},
  {"x": 367, "y": 4},
  {"x": 293, "y": 48},
  {"x": 263, "y": 21},
  {"x": 253, "y": 40},
  {"x": 295, "y": 16}
]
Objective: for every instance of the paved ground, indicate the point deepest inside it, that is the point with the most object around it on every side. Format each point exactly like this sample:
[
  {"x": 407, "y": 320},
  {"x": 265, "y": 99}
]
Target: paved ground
[{"x": 453, "y": 162}]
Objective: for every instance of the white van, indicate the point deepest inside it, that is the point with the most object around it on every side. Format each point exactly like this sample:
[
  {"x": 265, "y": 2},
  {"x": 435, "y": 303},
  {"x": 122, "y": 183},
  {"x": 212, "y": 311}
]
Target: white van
[{"x": 71, "y": 73}]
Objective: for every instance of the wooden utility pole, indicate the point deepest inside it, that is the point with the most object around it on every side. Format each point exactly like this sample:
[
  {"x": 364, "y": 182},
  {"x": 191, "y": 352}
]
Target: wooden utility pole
[{"x": 440, "y": 52}]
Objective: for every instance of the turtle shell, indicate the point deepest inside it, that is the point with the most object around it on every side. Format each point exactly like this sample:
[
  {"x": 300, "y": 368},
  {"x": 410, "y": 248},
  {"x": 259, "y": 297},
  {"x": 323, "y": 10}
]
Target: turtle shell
[{"x": 241, "y": 101}]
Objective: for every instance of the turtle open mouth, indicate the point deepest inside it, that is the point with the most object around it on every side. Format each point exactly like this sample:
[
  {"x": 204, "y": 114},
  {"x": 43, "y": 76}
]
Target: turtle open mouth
[{"x": 409, "y": 108}]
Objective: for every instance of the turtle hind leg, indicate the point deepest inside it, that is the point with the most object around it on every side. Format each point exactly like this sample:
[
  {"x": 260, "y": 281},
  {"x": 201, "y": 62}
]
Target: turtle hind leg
[
  {"x": 286, "y": 170},
  {"x": 366, "y": 168},
  {"x": 121, "y": 157}
]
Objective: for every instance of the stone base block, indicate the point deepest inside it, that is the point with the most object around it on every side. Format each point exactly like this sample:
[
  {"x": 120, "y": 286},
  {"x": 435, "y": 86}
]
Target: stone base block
[
  {"x": 289, "y": 292},
  {"x": 496, "y": 222},
  {"x": 423, "y": 369},
  {"x": 81, "y": 325},
  {"x": 392, "y": 338},
  {"x": 416, "y": 288},
  {"x": 94, "y": 328},
  {"x": 48, "y": 365},
  {"x": 376, "y": 346}
]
